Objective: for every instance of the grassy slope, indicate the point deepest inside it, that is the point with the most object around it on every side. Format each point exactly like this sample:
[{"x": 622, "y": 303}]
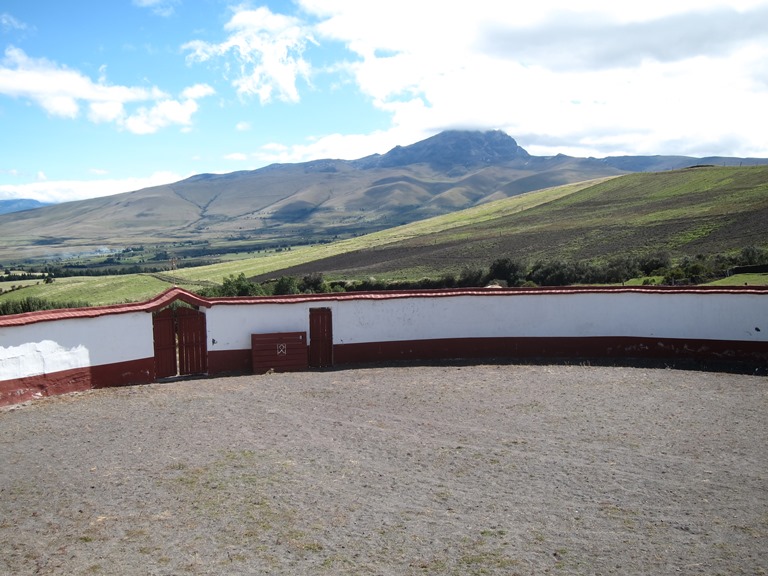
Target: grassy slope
[
  {"x": 137, "y": 287},
  {"x": 715, "y": 209},
  {"x": 685, "y": 212},
  {"x": 742, "y": 280}
]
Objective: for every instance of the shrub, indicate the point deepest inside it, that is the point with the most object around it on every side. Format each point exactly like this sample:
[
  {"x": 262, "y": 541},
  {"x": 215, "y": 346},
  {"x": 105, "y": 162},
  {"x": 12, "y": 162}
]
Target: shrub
[
  {"x": 286, "y": 285},
  {"x": 554, "y": 273},
  {"x": 232, "y": 286},
  {"x": 313, "y": 284},
  {"x": 653, "y": 263},
  {"x": 471, "y": 277},
  {"x": 239, "y": 286},
  {"x": 512, "y": 272}
]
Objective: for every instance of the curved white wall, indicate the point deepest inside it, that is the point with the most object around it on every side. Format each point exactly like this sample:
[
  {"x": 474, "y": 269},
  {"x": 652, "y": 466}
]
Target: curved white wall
[
  {"x": 114, "y": 339},
  {"x": 47, "y": 347},
  {"x": 633, "y": 314}
]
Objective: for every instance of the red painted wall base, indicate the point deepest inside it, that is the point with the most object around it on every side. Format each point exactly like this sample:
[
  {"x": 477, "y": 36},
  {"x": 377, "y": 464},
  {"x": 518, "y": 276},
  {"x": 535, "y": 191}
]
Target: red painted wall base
[
  {"x": 587, "y": 347},
  {"x": 77, "y": 380},
  {"x": 240, "y": 361},
  {"x": 229, "y": 362}
]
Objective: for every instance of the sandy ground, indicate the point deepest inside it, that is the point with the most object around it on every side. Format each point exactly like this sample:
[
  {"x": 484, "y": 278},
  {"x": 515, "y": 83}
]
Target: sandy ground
[{"x": 452, "y": 469}]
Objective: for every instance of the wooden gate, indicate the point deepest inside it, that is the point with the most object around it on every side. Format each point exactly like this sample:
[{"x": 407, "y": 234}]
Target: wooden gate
[
  {"x": 180, "y": 342},
  {"x": 320, "y": 337}
]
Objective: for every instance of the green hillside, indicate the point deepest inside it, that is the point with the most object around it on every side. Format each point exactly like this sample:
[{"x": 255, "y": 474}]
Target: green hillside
[
  {"x": 701, "y": 211},
  {"x": 685, "y": 213}
]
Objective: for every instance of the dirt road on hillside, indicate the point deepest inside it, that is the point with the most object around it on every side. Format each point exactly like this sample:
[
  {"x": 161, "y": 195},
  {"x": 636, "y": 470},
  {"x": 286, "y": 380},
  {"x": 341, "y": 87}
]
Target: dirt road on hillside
[{"x": 452, "y": 469}]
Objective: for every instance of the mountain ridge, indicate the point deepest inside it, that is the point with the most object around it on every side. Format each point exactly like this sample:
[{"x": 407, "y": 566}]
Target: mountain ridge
[
  {"x": 20, "y": 204},
  {"x": 317, "y": 200}
]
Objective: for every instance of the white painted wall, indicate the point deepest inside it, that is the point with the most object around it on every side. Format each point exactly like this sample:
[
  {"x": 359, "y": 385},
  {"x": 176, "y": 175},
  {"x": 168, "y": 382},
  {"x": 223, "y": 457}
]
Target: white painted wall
[
  {"x": 670, "y": 315},
  {"x": 231, "y": 326},
  {"x": 47, "y": 347}
]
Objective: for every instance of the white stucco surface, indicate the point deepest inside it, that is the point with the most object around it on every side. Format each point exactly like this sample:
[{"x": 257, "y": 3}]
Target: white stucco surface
[
  {"x": 51, "y": 346},
  {"x": 46, "y": 347},
  {"x": 231, "y": 326},
  {"x": 683, "y": 315},
  {"x": 742, "y": 317}
]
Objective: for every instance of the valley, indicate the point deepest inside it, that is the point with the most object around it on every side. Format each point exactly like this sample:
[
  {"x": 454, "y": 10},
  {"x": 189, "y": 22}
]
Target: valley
[{"x": 351, "y": 221}]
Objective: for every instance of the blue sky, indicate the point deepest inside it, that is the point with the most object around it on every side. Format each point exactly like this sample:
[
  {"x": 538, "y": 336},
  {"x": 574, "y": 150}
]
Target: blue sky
[{"x": 102, "y": 97}]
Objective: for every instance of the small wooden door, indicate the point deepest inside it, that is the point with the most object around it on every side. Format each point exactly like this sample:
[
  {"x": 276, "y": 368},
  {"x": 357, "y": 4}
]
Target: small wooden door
[
  {"x": 164, "y": 330},
  {"x": 192, "y": 338},
  {"x": 180, "y": 342},
  {"x": 320, "y": 338}
]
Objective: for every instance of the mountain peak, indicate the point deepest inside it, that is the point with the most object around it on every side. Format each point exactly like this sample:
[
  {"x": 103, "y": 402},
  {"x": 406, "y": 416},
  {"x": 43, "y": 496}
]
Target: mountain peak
[{"x": 456, "y": 148}]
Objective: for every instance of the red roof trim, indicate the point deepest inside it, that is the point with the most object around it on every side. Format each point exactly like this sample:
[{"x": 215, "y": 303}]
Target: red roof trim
[
  {"x": 445, "y": 293},
  {"x": 172, "y": 295},
  {"x": 175, "y": 294},
  {"x": 160, "y": 301}
]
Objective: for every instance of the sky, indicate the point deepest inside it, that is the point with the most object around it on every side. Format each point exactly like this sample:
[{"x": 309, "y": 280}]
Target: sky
[{"x": 99, "y": 97}]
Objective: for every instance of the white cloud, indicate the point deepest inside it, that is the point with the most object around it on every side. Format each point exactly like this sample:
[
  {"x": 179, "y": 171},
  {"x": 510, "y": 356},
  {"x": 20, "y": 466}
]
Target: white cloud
[
  {"x": 267, "y": 50},
  {"x": 339, "y": 146},
  {"x": 243, "y": 126},
  {"x": 237, "y": 156},
  {"x": 68, "y": 190},
  {"x": 162, "y": 114},
  {"x": 58, "y": 89},
  {"x": 8, "y": 22},
  {"x": 198, "y": 91},
  {"x": 113, "y": 111},
  {"x": 61, "y": 91},
  {"x": 587, "y": 41},
  {"x": 605, "y": 77},
  {"x": 163, "y": 8}
]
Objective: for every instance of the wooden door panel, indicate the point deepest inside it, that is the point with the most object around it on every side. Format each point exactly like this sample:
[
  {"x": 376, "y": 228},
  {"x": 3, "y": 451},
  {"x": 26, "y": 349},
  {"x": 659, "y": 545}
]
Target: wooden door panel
[
  {"x": 164, "y": 330},
  {"x": 192, "y": 341},
  {"x": 180, "y": 342},
  {"x": 320, "y": 337}
]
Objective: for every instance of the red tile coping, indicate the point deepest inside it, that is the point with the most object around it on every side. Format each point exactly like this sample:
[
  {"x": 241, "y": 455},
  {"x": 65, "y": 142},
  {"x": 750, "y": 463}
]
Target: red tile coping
[{"x": 173, "y": 294}]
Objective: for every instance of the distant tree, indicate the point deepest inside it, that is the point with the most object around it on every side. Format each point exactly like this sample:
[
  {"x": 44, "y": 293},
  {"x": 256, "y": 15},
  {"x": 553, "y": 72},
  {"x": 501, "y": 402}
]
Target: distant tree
[
  {"x": 651, "y": 263},
  {"x": 512, "y": 272},
  {"x": 286, "y": 285},
  {"x": 239, "y": 286},
  {"x": 313, "y": 283},
  {"x": 471, "y": 277},
  {"x": 621, "y": 268},
  {"x": 751, "y": 255},
  {"x": 553, "y": 273}
]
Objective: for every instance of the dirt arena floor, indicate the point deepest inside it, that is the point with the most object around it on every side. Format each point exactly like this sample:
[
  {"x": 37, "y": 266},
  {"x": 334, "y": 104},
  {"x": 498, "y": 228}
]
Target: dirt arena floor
[{"x": 450, "y": 469}]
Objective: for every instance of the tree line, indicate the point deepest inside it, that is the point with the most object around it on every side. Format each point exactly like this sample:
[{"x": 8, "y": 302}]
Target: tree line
[{"x": 656, "y": 268}]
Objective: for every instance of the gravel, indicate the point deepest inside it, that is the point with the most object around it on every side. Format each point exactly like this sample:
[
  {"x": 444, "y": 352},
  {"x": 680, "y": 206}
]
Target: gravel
[{"x": 444, "y": 469}]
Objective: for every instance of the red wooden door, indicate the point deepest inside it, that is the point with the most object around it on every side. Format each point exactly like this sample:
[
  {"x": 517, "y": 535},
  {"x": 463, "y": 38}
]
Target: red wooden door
[
  {"x": 320, "y": 337},
  {"x": 164, "y": 330},
  {"x": 180, "y": 342},
  {"x": 192, "y": 338}
]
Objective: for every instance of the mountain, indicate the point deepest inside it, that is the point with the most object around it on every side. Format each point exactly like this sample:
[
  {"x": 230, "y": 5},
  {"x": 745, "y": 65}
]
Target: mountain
[
  {"x": 694, "y": 213},
  {"x": 312, "y": 201},
  {"x": 19, "y": 204},
  {"x": 453, "y": 151}
]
